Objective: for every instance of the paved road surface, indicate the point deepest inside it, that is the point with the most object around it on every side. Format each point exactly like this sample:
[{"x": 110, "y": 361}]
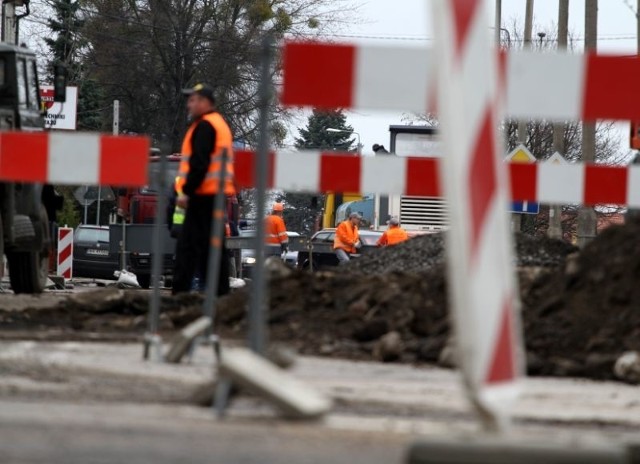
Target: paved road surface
[{"x": 68, "y": 433}]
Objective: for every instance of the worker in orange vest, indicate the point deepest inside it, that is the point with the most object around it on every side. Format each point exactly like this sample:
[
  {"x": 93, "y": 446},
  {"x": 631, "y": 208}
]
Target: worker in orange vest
[
  {"x": 347, "y": 239},
  {"x": 276, "y": 236},
  {"x": 394, "y": 234},
  {"x": 200, "y": 172}
]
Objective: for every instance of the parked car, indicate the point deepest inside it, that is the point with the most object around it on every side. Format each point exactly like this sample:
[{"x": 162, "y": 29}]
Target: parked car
[
  {"x": 91, "y": 255},
  {"x": 248, "y": 258},
  {"x": 323, "y": 254}
]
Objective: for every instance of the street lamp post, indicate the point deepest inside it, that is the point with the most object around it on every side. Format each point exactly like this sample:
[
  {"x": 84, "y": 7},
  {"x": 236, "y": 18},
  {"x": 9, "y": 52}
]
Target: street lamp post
[{"x": 331, "y": 129}]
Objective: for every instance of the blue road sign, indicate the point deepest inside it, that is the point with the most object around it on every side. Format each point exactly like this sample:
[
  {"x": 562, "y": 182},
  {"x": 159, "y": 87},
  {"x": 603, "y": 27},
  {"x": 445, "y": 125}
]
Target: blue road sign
[{"x": 525, "y": 207}]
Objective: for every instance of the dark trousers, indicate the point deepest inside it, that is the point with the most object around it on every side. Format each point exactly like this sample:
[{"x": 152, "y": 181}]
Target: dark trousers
[{"x": 192, "y": 248}]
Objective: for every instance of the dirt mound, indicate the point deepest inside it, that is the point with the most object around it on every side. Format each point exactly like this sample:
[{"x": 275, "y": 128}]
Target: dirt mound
[
  {"x": 425, "y": 252},
  {"x": 579, "y": 313},
  {"x": 581, "y": 318}
]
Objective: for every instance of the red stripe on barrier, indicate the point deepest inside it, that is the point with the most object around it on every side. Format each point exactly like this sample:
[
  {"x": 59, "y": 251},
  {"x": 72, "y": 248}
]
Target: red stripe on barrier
[
  {"x": 464, "y": 11},
  {"x": 124, "y": 160},
  {"x": 339, "y": 173},
  {"x": 503, "y": 360},
  {"x": 64, "y": 254},
  {"x": 605, "y": 184},
  {"x": 63, "y": 233},
  {"x": 611, "y": 87},
  {"x": 318, "y": 75},
  {"x": 23, "y": 156},
  {"x": 244, "y": 169},
  {"x": 481, "y": 179},
  {"x": 423, "y": 177},
  {"x": 524, "y": 181}
]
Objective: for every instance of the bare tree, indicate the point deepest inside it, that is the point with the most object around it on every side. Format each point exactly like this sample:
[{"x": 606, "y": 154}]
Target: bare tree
[{"x": 144, "y": 52}]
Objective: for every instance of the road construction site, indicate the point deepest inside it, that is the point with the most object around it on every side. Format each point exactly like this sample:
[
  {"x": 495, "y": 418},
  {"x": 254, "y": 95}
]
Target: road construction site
[{"x": 372, "y": 335}]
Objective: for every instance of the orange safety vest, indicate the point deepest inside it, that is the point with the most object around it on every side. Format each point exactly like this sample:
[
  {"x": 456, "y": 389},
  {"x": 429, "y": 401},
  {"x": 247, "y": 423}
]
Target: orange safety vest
[
  {"x": 224, "y": 141},
  {"x": 346, "y": 237},
  {"x": 275, "y": 230},
  {"x": 392, "y": 236}
]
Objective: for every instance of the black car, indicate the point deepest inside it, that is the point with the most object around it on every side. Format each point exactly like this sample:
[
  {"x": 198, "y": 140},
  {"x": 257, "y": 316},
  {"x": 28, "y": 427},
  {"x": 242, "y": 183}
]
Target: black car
[
  {"x": 91, "y": 255},
  {"x": 322, "y": 252}
]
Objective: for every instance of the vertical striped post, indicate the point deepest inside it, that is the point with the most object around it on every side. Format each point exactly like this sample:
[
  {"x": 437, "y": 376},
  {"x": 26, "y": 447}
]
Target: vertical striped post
[
  {"x": 65, "y": 252},
  {"x": 481, "y": 275}
]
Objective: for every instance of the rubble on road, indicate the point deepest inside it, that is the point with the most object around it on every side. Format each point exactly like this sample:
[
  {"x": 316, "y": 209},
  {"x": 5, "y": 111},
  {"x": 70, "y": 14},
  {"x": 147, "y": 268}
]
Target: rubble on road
[{"x": 581, "y": 310}]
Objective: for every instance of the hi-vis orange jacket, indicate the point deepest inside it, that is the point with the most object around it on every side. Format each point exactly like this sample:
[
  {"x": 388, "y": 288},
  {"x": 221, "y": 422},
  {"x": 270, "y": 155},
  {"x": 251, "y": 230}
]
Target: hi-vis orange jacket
[
  {"x": 275, "y": 230},
  {"x": 346, "y": 237},
  {"x": 224, "y": 141},
  {"x": 392, "y": 235}
]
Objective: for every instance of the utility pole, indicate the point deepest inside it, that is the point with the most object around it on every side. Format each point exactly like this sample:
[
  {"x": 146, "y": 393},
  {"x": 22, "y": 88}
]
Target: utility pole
[
  {"x": 499, "y": 22},
  {"x": 587, "y": 220},
  {"x": 516, "y": 218},
  {"x": 9, "y": 23},
  {"x": 555, "y": 211},
  {"x": 528, "y": 31}
]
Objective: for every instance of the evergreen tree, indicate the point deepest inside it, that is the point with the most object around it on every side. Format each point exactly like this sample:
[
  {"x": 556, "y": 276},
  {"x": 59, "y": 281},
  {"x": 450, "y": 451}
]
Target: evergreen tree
[
  {"x": 66, "y": 45},
  {"x": 316, "y": 136}
]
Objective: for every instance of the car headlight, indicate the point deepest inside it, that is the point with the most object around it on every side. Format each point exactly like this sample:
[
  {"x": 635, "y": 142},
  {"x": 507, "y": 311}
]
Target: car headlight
[{"x": 249, "y": 260}]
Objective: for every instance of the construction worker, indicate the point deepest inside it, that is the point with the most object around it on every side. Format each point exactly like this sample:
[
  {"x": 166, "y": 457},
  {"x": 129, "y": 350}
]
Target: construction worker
[
  {"x": 394, "y": 234},
  {"x": 347, "y": 239},
  {"x": 276, "y": 232},
  {"x": 206, "y": 140}
]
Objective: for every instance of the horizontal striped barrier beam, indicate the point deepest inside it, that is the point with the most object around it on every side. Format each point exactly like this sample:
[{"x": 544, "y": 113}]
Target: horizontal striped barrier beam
[
  {"x": 315, "y": 171},
  {"x": 74, "y": 158},
  {"x": 556, "y": 86}
]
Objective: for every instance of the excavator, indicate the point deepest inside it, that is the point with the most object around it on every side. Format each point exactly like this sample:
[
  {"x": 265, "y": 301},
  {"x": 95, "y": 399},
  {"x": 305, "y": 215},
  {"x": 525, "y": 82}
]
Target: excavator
[{"x": 25, "y": 235}]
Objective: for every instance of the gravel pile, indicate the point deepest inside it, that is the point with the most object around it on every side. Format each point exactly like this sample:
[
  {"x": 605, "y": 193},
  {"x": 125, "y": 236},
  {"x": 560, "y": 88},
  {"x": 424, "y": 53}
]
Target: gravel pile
[{"x": 425, "y": 252}]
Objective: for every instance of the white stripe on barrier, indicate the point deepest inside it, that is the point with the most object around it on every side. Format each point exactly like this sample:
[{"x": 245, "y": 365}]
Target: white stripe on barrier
[
  {"x": 560, "y": 183},
  {"x": 543, "y": 84},
  {"x": 383, "y": 174},
  {"x": 633, "y": 181},
  {"x": 381, "y": 79},
  {"x": 73, "y": 156},
  {"x": 298, "y": 172}
]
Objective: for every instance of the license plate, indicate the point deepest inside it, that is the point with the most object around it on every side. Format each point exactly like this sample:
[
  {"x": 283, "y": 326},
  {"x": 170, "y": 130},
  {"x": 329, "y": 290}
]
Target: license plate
[{"x": 98, "y": 252}]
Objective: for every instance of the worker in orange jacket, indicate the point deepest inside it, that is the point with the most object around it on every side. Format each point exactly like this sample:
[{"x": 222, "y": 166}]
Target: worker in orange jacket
[
  {"x": 347, "y": 239},
  {"x": 276, "y": 231},
  {"x": 394, "y": 234}
]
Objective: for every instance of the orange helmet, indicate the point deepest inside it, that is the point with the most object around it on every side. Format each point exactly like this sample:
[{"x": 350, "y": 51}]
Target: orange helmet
[{"x": 278, "y": 207}]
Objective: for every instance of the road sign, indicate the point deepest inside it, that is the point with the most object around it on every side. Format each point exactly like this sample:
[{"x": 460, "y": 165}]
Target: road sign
[
  {"x": 60, "y": 115},
  {"x": 556, "y": 158},
  {"x": 88, "y": 194},
  {"x": 521, "y": 154}
]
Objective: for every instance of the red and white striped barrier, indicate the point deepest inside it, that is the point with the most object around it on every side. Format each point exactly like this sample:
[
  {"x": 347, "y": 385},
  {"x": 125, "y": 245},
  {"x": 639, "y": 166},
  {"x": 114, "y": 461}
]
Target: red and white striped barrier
[
  {"x": 481, "y": 275},
  {"x": 74, "y": 158},
  {"x": 65, "y": 252},
  {"x": 558, "y": 86},
  {"x": 313, "y": 171}
]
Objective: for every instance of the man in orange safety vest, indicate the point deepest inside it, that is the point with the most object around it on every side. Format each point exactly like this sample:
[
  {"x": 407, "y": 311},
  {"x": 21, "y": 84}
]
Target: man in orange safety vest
[{"x": 394, "y": 234}]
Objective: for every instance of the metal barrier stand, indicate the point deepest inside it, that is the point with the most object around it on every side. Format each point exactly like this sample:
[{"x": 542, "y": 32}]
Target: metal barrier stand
[
  {"x": 257, "y": 308},
  {"x": 152, "y": 339}
]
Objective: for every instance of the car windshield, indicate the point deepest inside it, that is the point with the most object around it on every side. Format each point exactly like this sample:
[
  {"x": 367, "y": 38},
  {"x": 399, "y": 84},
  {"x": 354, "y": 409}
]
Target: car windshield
[
  {"x": 94, "y": 235},
  {"x": 369, "y": 239}
]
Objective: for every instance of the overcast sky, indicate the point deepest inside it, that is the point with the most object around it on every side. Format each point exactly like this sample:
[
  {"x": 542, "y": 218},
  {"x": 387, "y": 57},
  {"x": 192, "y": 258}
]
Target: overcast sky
[{"x": 407, "y": 22}]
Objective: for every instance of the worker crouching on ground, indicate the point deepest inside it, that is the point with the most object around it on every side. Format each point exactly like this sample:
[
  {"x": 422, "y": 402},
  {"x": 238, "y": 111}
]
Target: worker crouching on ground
[
  {"x": 200, "y": 172},
  {"x": 276, "y": 236},
  {"x": 393, "y": 235},
  {"x": 347, "y": 240}
]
